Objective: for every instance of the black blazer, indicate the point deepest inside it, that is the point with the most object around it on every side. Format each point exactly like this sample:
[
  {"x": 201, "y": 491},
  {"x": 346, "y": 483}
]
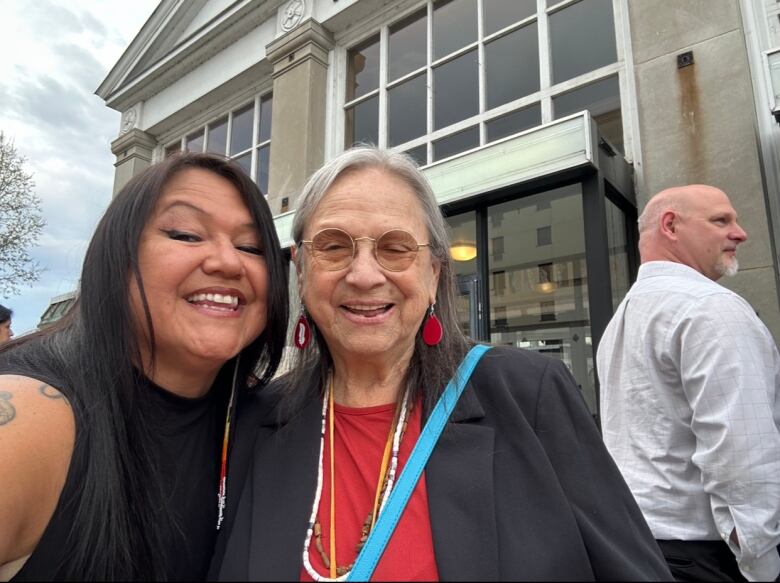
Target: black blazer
[{"x": 520, "y": 486}]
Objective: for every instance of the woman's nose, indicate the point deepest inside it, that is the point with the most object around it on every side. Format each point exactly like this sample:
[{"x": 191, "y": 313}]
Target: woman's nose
[
  {"x": 365, "y": 271},
  {"x": 224, "y": 259}
]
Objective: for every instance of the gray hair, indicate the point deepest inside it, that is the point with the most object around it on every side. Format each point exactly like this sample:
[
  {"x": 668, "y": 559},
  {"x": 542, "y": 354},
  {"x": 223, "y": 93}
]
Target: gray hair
[{"x": 431, "y": 366}]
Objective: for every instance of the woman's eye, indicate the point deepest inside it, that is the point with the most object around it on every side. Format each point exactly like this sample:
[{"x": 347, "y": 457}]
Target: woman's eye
[
  {"x": 333, "y": 247},
  {"x": 250, "y": 249},
  {"x": 182, "y": 236}
]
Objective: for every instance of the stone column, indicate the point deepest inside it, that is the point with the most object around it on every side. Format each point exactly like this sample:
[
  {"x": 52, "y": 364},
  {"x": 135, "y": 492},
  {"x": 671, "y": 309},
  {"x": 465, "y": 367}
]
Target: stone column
[
  {"x": 133, "y": 151},
  {"x": 694, "y": 132},
  {"x": 300, "y": 61}
]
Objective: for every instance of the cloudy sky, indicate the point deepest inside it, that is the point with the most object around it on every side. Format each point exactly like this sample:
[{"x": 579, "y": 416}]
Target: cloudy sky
[{"x": 55, "y": 53}]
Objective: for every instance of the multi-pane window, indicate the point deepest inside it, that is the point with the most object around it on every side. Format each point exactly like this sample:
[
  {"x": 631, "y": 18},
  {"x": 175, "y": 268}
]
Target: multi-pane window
[
  {"x": 453, "y": 75},
  {"x": 244, "y": 135}
]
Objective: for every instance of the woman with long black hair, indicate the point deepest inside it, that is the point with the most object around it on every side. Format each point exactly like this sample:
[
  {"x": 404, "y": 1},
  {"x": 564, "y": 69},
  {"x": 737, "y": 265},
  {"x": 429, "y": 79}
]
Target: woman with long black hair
[{"x": 115, "y": 423}]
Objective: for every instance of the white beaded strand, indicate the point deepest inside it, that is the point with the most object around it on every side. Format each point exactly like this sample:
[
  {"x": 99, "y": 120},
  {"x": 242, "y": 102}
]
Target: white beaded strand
[
  {"x": 396, "y": 449},
  {"x": 315, "y": 507}
]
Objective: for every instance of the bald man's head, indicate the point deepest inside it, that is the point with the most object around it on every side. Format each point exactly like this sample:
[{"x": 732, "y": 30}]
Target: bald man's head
[{"x": 694, "y": 225}]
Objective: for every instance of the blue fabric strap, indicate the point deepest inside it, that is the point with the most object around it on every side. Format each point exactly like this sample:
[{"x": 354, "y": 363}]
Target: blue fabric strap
[{"x": 383, "y": 529}]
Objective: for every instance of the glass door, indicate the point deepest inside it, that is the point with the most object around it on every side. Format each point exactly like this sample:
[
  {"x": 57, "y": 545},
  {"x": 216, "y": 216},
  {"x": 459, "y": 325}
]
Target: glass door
[{"x": 469, "y": 304}]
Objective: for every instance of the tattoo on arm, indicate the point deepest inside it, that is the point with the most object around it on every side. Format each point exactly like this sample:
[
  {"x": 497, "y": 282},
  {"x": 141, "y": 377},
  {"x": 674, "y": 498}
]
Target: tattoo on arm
[
  {"x": 7, "y": 411},
  {"x": 50, "y": 392}
]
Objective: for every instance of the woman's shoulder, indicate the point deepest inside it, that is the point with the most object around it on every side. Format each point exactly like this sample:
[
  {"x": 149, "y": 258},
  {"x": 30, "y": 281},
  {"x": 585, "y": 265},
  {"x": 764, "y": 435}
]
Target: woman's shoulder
[
  {"x": 522, "y": 376},
  {"x": 508, "y": 361},
  {"x": 256, "y": 405},
  {"x": 37, "y": 436},
  {"x": 28, "y": 403}
]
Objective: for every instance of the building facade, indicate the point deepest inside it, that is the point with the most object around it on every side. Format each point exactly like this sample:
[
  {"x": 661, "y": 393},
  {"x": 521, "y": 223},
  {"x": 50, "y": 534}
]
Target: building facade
[{"x": 542, "y": 125}]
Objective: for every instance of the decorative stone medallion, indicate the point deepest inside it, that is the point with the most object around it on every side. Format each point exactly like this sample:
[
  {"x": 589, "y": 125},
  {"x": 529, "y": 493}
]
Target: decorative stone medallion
[
  {"x": 129, "y": 119},
  {"x": 293, "y": 14}
]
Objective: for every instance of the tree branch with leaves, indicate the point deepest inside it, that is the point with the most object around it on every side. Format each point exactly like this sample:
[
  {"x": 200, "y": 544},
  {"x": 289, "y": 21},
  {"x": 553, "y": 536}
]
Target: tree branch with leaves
[{"x": 21, "y": 221}]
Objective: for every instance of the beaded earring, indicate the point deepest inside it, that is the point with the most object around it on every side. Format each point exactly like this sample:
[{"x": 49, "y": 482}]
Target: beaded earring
[
  {"x": 302, "y": 335},
  {"x": 432, "y": 330}
]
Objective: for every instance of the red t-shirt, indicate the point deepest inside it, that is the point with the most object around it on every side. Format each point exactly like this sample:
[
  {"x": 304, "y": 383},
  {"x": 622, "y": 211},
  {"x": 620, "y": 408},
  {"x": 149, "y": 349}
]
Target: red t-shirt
[{"x": 360, "y": 435}]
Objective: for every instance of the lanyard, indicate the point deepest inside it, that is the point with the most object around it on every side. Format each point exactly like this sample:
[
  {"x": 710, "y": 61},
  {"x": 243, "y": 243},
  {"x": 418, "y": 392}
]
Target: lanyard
[{"x": 377, "y": 541}]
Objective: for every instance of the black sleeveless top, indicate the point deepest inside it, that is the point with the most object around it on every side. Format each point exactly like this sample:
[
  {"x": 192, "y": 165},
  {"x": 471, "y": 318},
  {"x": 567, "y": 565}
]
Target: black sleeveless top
[{"x": 187, "y": 434}]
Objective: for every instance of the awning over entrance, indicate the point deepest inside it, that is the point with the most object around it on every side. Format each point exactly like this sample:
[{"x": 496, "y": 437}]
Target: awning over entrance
[{"x": 561, "y": 146}]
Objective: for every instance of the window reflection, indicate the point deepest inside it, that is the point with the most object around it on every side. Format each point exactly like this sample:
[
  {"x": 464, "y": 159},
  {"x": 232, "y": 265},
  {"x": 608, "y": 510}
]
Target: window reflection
[
  {"x": 454, "y": 25},
  {"x": 456, "y": 92},
  {"x": 499, "y": 14},
  {"x": 582, "y": 38},
  {"x": 538, "y": 293},
  {"x": 217, "y": 141},
  {"x": 406, "y": 111},
  {"x": 419, "y": 154},
  {"x": 363, "y": 68},
  {"x": 602, "y": 99},
  {"x": 510, "y": 77},
  {"x": 266, "y": 112},
  {"x": 195, "y": 142},
  {"x": 456, "y": 143},
  {"x": 514, "y": 122},
  {"x": 244, "y": 127},
  {"x": 245, "y": 162},
  {"x": 362, "y": 122},
  {"x": 408, "y": 46},
  {"x": 241, "y": 129}
]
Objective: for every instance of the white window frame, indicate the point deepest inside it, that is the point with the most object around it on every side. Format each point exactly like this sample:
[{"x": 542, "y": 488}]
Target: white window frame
[
  {"x": 381, "y": 22},
  {"x": 179, "y": 135}
]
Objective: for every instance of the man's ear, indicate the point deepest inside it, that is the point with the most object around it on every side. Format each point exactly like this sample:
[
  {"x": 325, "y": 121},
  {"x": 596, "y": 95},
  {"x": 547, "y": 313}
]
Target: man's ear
[{"x": 668, "y": 224}]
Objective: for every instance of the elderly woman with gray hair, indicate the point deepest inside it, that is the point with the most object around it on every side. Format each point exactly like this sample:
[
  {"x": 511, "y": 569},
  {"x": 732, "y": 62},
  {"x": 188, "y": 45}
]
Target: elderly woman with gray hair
[{"x": 396, "y": 448}]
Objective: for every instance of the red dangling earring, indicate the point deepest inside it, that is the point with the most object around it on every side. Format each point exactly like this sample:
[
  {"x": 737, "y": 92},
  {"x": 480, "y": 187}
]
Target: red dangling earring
[
  {"x": 432, "y": 331},
  {"x": 302, "y": 334}
]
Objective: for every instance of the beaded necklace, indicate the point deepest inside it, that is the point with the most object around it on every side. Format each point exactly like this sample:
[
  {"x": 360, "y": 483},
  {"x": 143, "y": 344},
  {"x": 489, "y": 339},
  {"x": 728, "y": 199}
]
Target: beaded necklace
[
  {"x": 387, "y": 486},
  {"x": 229, "y": 415}
]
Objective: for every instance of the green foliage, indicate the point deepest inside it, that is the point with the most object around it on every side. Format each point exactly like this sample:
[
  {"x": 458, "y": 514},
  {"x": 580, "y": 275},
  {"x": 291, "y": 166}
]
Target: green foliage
[{"x": 21, "y": 221}]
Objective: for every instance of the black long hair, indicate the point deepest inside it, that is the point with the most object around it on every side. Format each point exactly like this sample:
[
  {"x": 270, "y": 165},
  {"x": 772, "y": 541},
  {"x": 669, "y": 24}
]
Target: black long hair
[{"x": 121, "y": 521}]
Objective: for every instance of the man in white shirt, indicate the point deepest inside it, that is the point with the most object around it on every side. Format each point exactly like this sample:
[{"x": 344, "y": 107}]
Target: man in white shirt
[{"x": 689, "y": 395}]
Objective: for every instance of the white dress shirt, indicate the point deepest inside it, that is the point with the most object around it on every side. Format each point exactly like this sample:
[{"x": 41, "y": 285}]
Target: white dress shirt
[{"x": 690, "y": 412}]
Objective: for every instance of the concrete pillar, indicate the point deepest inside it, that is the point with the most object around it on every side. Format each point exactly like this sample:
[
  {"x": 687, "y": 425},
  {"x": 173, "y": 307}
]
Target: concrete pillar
[
  {"x": 300, "y": 61},
  {"x": 133, "y": 151},
  {"x": 696, "y": 120}
]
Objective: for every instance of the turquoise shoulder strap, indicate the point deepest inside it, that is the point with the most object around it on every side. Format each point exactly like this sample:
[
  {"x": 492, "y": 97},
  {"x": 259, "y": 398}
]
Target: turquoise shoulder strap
[{"x": 377, "y": 541}]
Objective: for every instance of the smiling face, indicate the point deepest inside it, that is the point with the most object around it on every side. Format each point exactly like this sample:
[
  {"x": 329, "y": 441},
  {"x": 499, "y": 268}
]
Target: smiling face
[
  {"x": 708, "y": 233},
  {"x": 364, "y": 310},
  {"x": 204, "y": 274}
]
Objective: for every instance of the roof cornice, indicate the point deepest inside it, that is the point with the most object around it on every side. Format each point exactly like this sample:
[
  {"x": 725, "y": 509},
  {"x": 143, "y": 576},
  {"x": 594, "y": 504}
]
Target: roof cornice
[
  {"x": 120, "y": 90},
  {"x": 149, "y": 31}
]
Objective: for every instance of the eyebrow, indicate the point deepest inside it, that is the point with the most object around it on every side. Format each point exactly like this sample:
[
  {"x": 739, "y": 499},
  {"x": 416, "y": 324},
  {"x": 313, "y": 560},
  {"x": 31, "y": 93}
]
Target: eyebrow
[
  {"x": 180, "y": 203},
  {"x": 174, "y": 205}
]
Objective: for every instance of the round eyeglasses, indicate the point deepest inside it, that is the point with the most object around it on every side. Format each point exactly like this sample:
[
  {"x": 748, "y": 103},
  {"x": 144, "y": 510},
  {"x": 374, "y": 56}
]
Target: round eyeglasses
[{"x": 334, "y": 249}]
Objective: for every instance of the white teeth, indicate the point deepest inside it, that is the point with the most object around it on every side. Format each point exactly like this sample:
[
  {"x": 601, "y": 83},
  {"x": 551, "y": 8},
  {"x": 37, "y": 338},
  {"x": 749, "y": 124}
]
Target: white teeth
[
  {"x": 366, "y": 308},
  {"x": 228, "y": 300}
]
